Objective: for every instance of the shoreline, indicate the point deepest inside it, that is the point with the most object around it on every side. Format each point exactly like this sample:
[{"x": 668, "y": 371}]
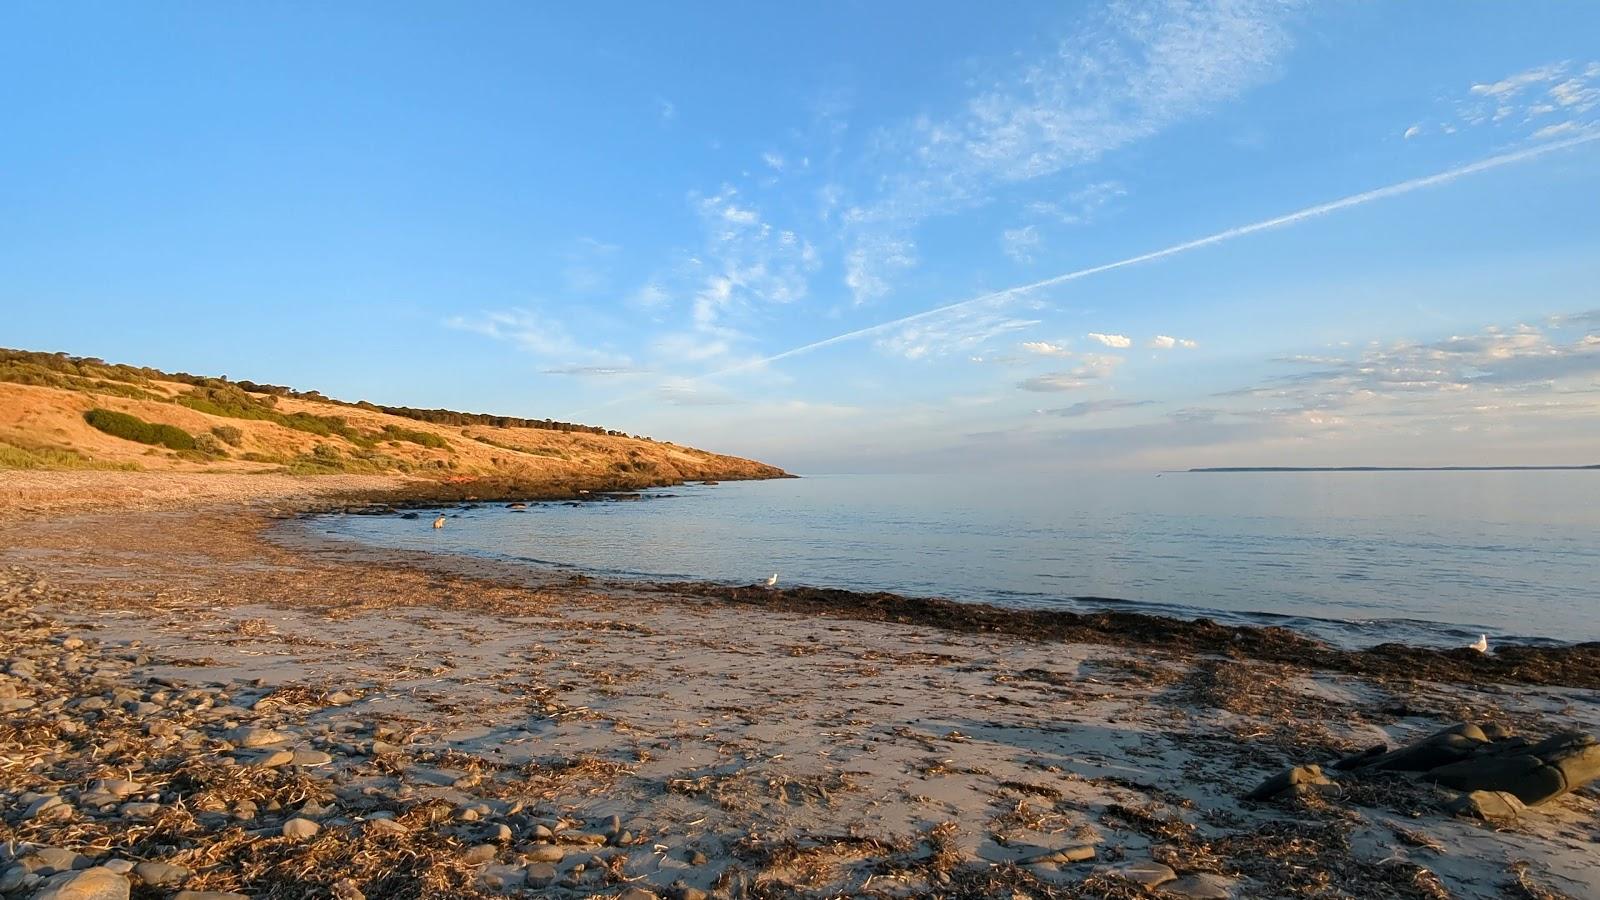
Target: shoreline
[{"x": 748, "y": 743}]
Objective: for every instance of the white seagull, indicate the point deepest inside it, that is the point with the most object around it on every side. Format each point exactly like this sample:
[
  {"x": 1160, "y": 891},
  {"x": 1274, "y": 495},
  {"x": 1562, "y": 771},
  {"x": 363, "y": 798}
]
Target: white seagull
[
  {"x": 773, "y": 581},
  {"x": 1481, "y": 644}
]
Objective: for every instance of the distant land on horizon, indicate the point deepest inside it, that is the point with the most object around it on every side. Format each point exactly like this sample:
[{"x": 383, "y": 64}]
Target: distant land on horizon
[{"x": 1391, "y": 468}]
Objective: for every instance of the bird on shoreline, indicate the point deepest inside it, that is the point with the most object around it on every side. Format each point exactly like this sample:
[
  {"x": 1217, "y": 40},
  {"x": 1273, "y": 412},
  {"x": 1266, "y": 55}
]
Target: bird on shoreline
[
  {"x": 1481, "y": 644},
  {"x": 439, "y": 522},
  {"x": 773, "y": 581}
]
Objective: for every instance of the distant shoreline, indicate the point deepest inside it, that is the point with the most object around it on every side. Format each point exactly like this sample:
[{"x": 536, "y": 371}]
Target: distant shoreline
[{"x": 1395, "y": 469}]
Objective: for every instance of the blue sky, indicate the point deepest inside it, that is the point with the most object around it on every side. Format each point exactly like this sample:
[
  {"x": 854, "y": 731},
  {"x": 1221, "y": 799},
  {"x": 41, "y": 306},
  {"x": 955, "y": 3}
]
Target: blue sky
[{"x": 863, "y": 237}]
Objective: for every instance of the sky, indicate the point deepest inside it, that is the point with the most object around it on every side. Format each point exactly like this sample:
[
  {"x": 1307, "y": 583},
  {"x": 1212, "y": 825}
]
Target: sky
[{"x": 838, "y": 237}]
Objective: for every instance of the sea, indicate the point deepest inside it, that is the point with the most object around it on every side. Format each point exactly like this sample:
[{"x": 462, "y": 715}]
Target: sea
[{"x": 1356, "y": 558}]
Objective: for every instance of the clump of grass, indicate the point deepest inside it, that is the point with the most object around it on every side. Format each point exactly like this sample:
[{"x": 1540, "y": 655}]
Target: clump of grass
[
  {"x": 133, "y": 428},
  {"x": 221, "y": 398},
  {"x": 13, "y": 456},
  {"x": 424, "y": 438},
  {"x": 229, "y": 435}
]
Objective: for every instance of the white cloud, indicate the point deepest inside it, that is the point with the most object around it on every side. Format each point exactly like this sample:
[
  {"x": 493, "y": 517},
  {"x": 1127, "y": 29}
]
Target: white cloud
[
  {"x": 1412, "y": 132},
  {"x": 1167, "y": 342},
  {"x": 1123, "y": 75},
  {"x": 667, "y": 110},
  {"x": 1118, "y": 341},
  {"x": 1019, "y": 243},
  {"x": 774, "y": 161},
  {"x": 1045, "y": 348},
  {"x": 870, "y": 265},
  {"x": 1531, "y": 98},
  {"x": 1081, "y": 206}
]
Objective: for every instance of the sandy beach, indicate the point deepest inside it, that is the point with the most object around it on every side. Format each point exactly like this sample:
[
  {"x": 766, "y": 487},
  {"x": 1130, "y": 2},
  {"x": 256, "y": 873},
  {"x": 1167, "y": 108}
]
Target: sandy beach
[{"x": 203, "y": 700}]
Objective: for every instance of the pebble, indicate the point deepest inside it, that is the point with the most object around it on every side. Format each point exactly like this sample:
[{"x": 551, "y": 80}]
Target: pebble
[
  {"x": 545, "y": 853},
  {"x": 481, "y": 854},
  {"x": 311, "y": 758},
  {"x": 247, "y": 736},
  {"x": 15, "y": 704},
  {"x": 386, "y": 826},
  {"x": 300, "y": 829},
  {"x": 208, "y": 895},
  {"x": 540, "y": 874},
  {"x": 273, "y": 759},
  {"x": 1146, "y": 872},
  {"x": 160, "y": 874},
  {"x": 503, "y": 877},
  {"x": 138, "y": 810}
]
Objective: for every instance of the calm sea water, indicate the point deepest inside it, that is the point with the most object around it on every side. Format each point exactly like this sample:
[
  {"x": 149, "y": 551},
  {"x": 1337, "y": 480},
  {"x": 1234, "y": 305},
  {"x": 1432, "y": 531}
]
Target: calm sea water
[{"x": 1358, "y": 558}]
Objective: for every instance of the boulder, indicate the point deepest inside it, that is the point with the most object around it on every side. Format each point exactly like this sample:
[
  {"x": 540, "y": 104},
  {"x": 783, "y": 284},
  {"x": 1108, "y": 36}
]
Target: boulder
[
  {"x": 160, "y": 874},
  {"x": 1535, "y": 773},
  {"x": 87, "y": 884},
  {"x": 1456, "y": 743}
]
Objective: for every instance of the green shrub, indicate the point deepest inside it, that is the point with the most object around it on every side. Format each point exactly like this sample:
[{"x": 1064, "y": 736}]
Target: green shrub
[
  {"x": 229, "y": 435},
  {"x": 133, "y": 428},
  {"x": 210, "y": 445},
  {"x": 424, "y": 438}
]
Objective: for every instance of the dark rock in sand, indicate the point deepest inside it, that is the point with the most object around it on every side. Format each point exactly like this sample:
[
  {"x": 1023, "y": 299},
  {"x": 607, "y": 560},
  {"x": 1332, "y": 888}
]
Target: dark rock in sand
[
  {"x": 1451, "y": 745},
  {"x": 1535, "y": 773},
  {"x": 410, "y": 515},
  {"x": 1490, "y": 806},
  {"x": 1359, "y": 760},
  {"x": 1299, "y": 779}
]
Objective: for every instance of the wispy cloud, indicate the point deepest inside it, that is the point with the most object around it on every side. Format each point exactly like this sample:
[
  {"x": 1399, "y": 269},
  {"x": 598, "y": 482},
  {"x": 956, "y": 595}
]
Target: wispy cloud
[
  {"x": 1019, "y": 243},
  {"x": 1128, "y": 73},
  {"x": 999, "y": 298},
  {"x": 962, "y": 330},
  {"x": 1090, "y": 407},
  {"x": 536, "y": 333},
  {"x": 1093, "y": 368}
]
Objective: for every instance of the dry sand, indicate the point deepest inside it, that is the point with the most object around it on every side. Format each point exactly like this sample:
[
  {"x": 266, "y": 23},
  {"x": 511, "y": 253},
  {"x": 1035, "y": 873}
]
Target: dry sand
[{"x": 743, "y": 752}]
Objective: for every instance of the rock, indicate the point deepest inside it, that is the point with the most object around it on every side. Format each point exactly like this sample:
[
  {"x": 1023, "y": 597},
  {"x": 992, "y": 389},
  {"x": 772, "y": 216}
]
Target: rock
[
  {"x": 1058, "y": 857},
  {"x": 1440, "y": 748},
  {"x": 481, "y": 854},
  {"x": 503, "y": 877},
  {"x": 138, "y": 810},
  {"x": 117, "y": 787},
  {"x": 683, "y": 891},
  {"x": 311, "y": 758},
  {"x": 119, "y": 866},
  {"x": 1490, "y": 806},
  {"x": 502, "y": 833},
  {"x": 160, "y": 874},
  {"x": 50, "y": 860},
  {"x": 1202, "y": 886},
  {"x": 300, "y": 829},
  {"x": 1291, "y": 779},
  {"x": 47, "y": 809},
  {"x": 248, "y": 737},
  {"x": 543, "y": 833},
  {"x": 1535, "y": 773},
  {"x": 545, "y": 853},
  {"x": 272, "y": 759},
  {"x": 1147, "y": 872},
  {"x": 1362, "y": 759},
  {"x": 540, "y": 874},
  {"x": 637, "y": 893},
  {"x": 696, "y": 858},
  {"x": 346, "y": 889},
  {"x": 208, "y": 895},
  {"x": 12, "y": 878},
  {"x": 97, "y": 883},
  {"x": 386, "y": 826},
  {"x": 15, "y": 704}
]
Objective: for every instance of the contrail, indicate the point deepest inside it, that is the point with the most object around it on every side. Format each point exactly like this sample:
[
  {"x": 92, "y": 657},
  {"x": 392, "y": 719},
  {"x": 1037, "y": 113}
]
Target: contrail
[{"x": 1310, "y": 212}]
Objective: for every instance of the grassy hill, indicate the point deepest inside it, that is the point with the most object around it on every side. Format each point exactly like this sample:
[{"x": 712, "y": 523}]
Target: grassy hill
[{"x": 64, "y": 412}]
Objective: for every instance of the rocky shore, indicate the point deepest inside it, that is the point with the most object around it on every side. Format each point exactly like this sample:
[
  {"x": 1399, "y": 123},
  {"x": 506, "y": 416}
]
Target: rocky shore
[{"x": 188, "y": 710}]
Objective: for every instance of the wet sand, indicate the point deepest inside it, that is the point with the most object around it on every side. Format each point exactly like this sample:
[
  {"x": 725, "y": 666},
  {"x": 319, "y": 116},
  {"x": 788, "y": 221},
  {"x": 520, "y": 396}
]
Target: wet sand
[{"x": 469, "y": 731}]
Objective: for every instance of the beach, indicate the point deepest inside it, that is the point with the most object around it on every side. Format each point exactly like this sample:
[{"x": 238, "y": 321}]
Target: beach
[{"x": 223, "y": 704}]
